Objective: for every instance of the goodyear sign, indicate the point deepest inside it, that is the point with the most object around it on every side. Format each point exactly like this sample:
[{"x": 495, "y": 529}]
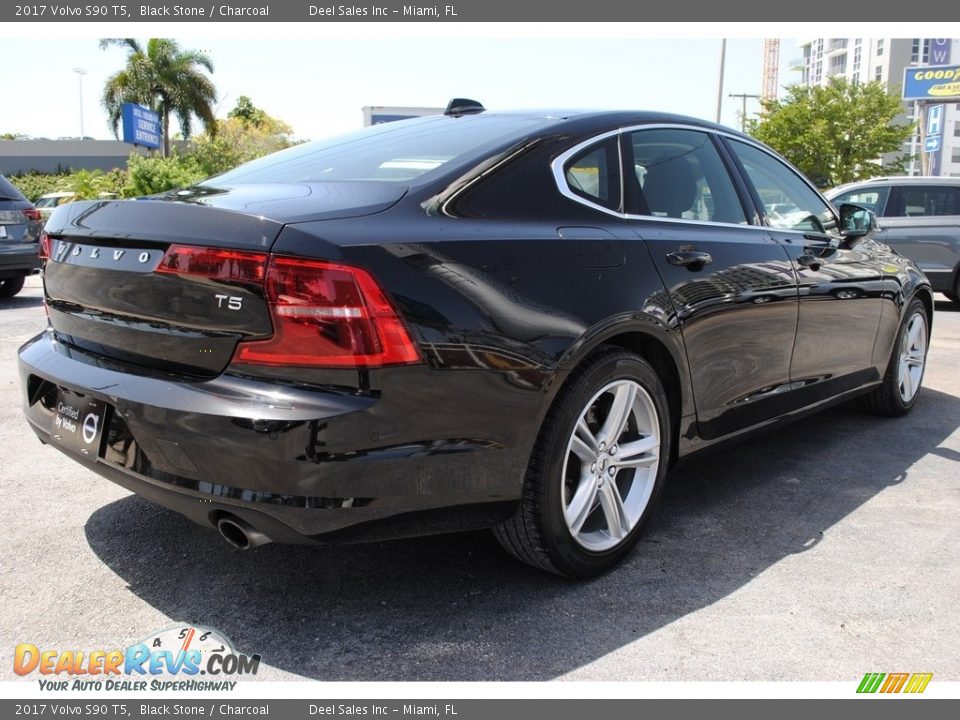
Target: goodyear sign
[{"x": 935, "y": 82}]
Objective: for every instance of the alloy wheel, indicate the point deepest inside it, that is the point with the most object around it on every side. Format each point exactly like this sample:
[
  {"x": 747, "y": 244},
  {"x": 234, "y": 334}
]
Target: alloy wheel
[
  {"x": 610, "y": 466},
  {"x": 913, "y": 351}
]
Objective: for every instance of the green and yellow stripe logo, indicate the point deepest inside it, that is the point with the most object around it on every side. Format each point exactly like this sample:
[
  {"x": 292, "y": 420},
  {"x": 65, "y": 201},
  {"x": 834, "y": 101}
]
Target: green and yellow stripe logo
[{"x": 894, "y": 682}]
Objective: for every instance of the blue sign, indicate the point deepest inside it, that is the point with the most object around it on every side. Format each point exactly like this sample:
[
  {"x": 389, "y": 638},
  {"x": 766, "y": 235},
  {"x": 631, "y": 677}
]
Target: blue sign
[
  {"x": 931, "y": 144},
  {"x": 141, "y": 126},
  {"x": 939, "y": 50},
  {"x": 935, "y": 82},
  {"x": 934, "y": 119}
]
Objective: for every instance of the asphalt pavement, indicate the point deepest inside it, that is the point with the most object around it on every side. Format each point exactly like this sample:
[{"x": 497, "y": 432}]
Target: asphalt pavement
[{"x": 821, "y": 551}]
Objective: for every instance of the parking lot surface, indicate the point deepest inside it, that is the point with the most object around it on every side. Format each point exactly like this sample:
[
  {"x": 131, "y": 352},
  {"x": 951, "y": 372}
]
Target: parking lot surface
[{"x": 820, "y": 551}]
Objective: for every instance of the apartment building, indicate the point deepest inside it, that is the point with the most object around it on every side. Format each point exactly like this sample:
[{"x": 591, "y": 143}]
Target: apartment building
[{"x": 884, "y": 60}]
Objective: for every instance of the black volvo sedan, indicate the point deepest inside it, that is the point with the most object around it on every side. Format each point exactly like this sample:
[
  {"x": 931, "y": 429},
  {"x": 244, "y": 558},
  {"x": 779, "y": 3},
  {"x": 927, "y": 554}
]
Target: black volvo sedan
[{"x": 477, "y": 319}]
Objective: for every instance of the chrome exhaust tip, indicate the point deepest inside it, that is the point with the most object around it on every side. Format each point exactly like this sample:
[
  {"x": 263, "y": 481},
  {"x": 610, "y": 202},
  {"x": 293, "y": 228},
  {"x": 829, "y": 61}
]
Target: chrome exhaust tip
[{"x": 240, "y": 534}]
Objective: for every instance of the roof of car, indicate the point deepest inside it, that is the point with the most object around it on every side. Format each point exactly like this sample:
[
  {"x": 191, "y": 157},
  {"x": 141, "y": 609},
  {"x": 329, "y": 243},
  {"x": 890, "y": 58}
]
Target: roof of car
[{"x": 906, "y": 180}]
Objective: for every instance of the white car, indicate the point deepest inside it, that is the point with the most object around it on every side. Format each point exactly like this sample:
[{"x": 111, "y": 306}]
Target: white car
[{"x": 46, "y": 203}]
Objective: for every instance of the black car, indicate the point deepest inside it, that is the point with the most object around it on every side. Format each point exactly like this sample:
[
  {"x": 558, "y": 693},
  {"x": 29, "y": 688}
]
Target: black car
[
  {"x": 478, "y": 319},
  {"x": 20, "y": 227}
]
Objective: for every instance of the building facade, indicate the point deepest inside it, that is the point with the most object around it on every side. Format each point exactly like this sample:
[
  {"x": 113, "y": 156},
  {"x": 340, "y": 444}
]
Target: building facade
[{"x": 884, "y": 60}]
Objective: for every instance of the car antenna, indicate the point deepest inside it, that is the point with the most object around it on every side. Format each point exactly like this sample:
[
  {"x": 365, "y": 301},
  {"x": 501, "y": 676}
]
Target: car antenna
[{"x": 463, "y": 106}]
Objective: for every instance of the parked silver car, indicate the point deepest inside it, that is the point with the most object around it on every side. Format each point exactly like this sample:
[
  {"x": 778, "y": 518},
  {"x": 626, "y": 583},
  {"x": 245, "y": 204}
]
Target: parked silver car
[{"x": 919, "y": 217}]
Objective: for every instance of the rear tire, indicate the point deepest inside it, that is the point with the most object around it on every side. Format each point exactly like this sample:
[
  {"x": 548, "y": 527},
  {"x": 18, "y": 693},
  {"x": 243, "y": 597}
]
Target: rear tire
[
  {"x": 900, "y": 388},
  {"x": 11, "y": 286},
  {"x": 596, "y": 471}
]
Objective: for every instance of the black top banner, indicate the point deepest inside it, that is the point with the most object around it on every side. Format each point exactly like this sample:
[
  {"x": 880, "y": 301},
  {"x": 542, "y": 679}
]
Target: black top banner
[{"x": 326, "y": 11}]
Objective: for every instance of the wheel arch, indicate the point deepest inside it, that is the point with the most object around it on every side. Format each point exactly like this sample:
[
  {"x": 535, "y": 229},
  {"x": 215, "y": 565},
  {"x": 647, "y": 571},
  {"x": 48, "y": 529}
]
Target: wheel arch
[{"x": 660, "y": 347}]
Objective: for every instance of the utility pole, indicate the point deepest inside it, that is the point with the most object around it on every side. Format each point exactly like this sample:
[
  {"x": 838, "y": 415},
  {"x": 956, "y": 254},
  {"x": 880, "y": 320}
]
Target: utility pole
[
  {"x": 743, "y": 112},
  {"x": 723, "y": 57}
]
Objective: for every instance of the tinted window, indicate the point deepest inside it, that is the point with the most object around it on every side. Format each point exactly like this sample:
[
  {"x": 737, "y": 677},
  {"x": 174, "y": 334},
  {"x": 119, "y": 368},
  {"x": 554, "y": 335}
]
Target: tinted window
[
  {"x": 915, "y": 201},
  {"x": 870, "y": 199},
  {"x": 788, "y": 202},
  {"x": 8, "y": 191},
  {"x": 397, "y": 151},
  {"x": 594, "y": 174},
  {"x": 679, "y": 174}
]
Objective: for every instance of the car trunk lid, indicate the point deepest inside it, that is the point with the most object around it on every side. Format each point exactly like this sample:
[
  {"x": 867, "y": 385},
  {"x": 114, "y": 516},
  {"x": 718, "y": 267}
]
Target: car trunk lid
[{"x": 175, "y": 282}]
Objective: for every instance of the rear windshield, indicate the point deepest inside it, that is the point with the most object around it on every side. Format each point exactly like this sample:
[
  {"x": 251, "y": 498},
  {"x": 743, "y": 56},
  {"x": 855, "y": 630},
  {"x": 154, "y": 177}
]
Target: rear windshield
[
  {"x": 393, "y": 152},
  {"x": 8, "y": 191}
]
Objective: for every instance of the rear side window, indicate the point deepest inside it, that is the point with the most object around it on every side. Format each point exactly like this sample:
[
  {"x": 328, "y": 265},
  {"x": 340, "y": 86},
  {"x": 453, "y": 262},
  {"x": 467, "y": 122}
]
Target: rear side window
[
  {"x": 918, "y": 201},
  {"x": 679, "y": 174},
  {"x": 594, "y": 174},
  {"x": 872, "y": 199}
]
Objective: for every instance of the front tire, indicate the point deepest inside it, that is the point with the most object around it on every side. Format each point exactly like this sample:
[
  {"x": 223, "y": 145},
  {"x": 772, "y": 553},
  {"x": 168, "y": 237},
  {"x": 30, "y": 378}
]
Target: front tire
[
  {"x": 596, "y": 471},
  {"x": 900, "y": 388},
  {"x": 11, "y": 286}
]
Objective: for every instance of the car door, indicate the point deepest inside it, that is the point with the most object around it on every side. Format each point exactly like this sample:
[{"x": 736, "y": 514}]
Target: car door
[
  {"x": 922, "y": 222},
  {"x": 731, "y": 285},
  {"x": 840, "y": 287}
]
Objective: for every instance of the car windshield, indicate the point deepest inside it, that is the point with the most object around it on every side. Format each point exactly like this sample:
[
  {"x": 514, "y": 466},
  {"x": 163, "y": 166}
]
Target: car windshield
[
  {"x": 45, "y": 202},
  {"x": 393, "y": 152}
]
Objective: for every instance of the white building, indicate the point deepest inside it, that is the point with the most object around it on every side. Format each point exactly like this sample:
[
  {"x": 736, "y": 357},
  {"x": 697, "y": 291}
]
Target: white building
[{"x": 884, "y": 59}]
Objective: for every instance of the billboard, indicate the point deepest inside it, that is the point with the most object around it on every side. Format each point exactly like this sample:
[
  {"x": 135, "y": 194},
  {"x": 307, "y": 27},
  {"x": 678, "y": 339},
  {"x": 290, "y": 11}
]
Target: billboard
[
  {"x": 934, "y": 82},
  {"x": 141, "y": 126}
]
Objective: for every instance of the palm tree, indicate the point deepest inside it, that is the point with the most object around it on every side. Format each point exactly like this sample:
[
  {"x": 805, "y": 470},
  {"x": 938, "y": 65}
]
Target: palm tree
[{"x": 168, "y": 80}]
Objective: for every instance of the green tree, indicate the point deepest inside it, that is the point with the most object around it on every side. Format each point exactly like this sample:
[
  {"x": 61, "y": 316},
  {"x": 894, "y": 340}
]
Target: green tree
[
  {"x": 246, "y": 134},
  {"x": 167, "y": 79},
  {"x": 835, "y": 134},
  {"x": 248, "y": 113}
]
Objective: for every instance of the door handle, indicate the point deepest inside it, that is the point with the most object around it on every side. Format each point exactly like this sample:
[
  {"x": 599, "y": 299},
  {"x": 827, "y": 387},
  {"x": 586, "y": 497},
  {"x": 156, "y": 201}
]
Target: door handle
[
  {"x": 691, "y": 259},
  {"x": 810, "y": 261}
]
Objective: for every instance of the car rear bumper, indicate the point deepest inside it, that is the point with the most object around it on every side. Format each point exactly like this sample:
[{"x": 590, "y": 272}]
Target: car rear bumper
[
  {"x": 18, "y": 258},
  {"x": 297, "y": 464}
]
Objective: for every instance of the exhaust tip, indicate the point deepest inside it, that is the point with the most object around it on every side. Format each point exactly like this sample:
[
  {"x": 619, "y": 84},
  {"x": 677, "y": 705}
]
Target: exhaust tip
[
  {"x": 240, "y": 534},
  {"x": 233, "y": 534}
]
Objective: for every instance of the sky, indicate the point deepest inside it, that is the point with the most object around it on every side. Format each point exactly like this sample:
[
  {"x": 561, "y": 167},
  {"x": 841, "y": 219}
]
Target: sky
[
  {"x": 318, "y": 86},
  {"x": 317, "y": 77}
]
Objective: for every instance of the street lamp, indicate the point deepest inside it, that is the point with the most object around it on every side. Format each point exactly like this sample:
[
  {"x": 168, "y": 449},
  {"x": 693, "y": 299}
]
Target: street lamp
[{"x": 80, "y": 73}]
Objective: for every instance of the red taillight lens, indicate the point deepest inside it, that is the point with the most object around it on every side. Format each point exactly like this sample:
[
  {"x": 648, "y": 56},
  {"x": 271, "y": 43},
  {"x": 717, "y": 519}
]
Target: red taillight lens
[
  {"x": 45, "y": 244},
  {"x": 217, "y": 264},
  {"x": 328, "y": 315},
  {"x": 32, "y": 214}
]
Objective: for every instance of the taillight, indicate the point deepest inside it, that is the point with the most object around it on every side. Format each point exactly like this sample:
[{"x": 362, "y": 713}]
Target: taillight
[
  {"x": 44, "y": 251},
  {"x": 32, "y": 214},
  {"x": 214, "y": 263},
  {"x": 328, "y": 315}
]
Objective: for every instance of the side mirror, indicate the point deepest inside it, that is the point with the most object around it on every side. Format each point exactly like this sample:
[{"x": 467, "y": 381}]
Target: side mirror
[{"x": 856, "y": 221}]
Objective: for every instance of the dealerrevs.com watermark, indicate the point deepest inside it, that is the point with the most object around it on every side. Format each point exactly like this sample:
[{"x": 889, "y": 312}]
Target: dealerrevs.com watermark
[{"x": 181, "y": 658}]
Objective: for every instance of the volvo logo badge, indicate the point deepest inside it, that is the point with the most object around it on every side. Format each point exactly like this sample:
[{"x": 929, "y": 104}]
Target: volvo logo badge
[{"x": 90, "y": 423}]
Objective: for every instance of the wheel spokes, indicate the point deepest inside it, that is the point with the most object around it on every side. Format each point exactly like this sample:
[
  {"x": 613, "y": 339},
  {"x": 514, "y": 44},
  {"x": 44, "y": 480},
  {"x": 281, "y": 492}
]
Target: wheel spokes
[
  {"x": 617, "y": 431},
  {"x": 624, "y": 398},
  {"x": 639, "y": 453},
  {"x": 618, "y": 524},
  {"x": 582, "y": 504}
]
